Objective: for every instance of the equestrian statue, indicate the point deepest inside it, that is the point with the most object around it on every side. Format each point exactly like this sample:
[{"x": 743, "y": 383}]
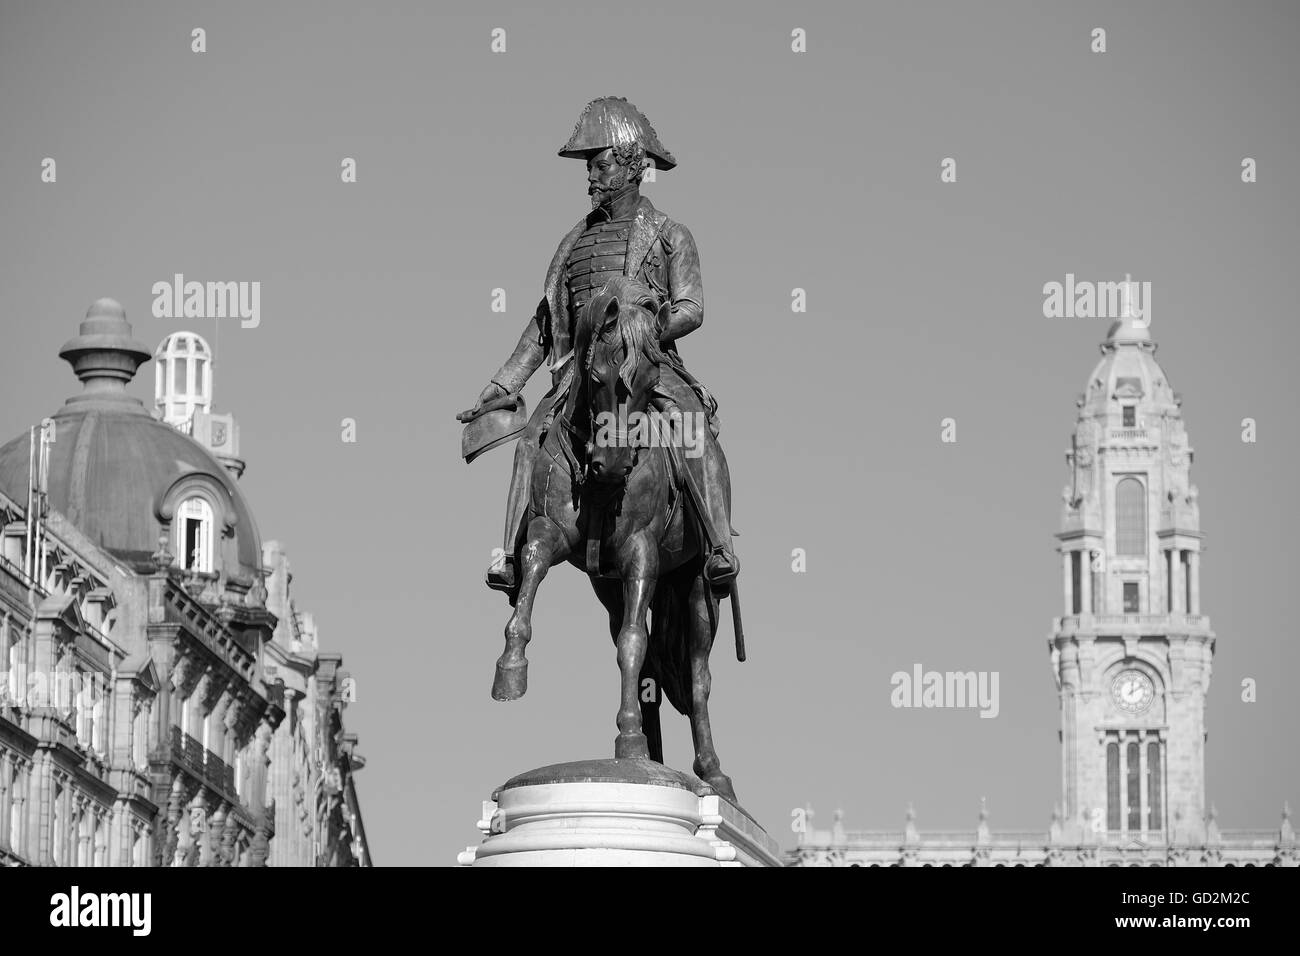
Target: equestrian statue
[{"x": 618, "y": 471}]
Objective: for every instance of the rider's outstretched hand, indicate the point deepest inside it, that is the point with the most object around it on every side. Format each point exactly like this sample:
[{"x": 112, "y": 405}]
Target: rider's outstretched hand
[{"x": 492, "y": 391}]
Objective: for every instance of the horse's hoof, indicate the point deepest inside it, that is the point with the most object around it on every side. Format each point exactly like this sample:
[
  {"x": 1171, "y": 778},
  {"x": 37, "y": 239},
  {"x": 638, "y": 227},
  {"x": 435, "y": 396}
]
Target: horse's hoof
[
  {"x": 722, "y": 784},
  {"x": 631, "y": 745},
  {"x": 511, "y": 681}
]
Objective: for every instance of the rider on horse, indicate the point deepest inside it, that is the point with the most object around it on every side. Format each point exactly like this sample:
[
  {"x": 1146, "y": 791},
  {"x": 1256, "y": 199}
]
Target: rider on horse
[{"x": 623, "y": 235}]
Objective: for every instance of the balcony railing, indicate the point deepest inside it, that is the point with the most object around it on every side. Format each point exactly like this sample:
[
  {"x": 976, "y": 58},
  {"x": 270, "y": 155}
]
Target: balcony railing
[
  {"x": 184, "y": 754},
  {"x": 1127, "y": 434},
  {"x": 193, "y": 752},
  {"x": 1141, "y": 621},
  {"x": 191, "y": 755},
  {"x": 214, "y": 770}
]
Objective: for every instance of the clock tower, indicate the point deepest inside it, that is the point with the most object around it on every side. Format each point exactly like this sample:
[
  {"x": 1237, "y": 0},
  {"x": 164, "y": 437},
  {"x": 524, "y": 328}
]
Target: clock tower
[{"x": 1131, "y": 652}]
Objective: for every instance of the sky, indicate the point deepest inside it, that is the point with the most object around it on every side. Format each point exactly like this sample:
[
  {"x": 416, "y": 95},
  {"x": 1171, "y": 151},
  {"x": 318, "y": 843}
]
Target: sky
[{"x": 818, "y": 171}]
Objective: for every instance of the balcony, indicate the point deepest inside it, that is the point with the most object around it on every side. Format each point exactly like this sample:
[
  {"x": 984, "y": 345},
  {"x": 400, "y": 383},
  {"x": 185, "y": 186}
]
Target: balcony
[
  {"x": 1127, "y": 434},
  {"x": 190, "y": 755},
  {"x": 214, "y": 771},
  {"x": 1142, "y": 624},
  {"x": 193, "y": 753},
  {"x": 187, "y": 753}
]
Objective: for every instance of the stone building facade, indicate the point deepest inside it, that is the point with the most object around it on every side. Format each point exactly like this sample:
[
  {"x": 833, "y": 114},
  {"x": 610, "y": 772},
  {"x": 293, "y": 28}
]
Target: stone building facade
[
  {"x": 160, "y": 705},
  {"x": 1131, "y": 655}
]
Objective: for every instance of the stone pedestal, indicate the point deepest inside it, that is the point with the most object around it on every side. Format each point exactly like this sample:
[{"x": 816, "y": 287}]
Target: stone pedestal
[{"x": 632, "y": 812}]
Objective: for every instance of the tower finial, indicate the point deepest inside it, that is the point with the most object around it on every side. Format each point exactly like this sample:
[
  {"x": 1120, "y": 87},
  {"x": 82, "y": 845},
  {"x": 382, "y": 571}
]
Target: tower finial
[{"x": 104, "y": 355}]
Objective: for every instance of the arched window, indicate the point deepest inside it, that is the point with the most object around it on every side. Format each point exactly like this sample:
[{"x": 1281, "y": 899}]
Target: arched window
[
  {"x": 1112, "y": 786},
  {"x": 1154, "y": 778},
  {"x": 11, "y": 658},
  {"x": 1133, "y": 793},
  {"x": 1130, "y": 517},
  {"x": 15, "y": 812},
  {"x": 194, "y": 534},
  {"x": 59, "y": 840}
]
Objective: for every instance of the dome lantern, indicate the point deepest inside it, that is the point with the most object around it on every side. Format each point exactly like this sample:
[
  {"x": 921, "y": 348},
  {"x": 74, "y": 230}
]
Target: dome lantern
[{"x": 182, "y": 379}]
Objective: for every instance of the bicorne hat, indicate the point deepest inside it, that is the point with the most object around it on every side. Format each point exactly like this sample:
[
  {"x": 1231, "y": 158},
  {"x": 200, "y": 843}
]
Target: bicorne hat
[{"x": 613, "y": 121}]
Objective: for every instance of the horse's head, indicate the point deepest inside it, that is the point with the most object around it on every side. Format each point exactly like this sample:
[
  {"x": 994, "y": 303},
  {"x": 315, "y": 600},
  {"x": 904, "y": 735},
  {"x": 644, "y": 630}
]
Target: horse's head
[{"x": 619, "y": 369}]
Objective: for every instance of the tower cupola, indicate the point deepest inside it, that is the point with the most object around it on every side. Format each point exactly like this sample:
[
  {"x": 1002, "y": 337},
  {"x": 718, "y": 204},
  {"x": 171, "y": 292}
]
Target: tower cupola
[{"x": 182, "y": 379}]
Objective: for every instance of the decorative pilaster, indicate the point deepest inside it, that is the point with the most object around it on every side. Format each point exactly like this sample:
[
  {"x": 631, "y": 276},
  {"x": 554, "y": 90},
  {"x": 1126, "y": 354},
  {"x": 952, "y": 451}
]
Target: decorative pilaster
[
  {"x": 1085, "y": 580},
  {"x": 1194, "y": 568},
  {"x": 169, "y": 840},
  {"x": 1067, "y": 582},
  {"x": 5, "y": 796},
  {"x": 1179, "y": 581},
  {"x": 215, "y": 836},
  {"x": 229, "y": 835}
]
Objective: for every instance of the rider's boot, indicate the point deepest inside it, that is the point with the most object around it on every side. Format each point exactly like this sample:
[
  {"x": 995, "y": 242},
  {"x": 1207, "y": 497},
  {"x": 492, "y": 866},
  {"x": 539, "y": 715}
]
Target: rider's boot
[
  {"x": 503, "y": 573},
  {"x": 721, "y": 566}
]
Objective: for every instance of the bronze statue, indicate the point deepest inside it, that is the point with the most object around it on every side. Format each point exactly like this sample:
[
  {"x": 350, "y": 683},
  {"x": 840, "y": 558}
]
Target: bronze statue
[{"x": 630, "y": 484}]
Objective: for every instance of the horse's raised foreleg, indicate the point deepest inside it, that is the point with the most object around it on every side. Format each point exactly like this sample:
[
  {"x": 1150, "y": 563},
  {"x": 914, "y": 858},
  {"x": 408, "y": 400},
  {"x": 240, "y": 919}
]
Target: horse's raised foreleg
[
  {"x": 545, "y": 546},
  {"x": 702, "y": 617},
  {"x": 639, "y": 567}
]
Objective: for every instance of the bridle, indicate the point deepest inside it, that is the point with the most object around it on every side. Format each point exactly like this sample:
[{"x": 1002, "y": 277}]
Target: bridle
[{"x": 575, "y": 436}]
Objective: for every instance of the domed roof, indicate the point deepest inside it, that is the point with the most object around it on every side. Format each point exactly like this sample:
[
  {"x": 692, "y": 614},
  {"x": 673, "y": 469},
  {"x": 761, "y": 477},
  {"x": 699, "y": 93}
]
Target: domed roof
[
  {"x": 112, "y": 465},
  {"x": 1128, "y": 370}
]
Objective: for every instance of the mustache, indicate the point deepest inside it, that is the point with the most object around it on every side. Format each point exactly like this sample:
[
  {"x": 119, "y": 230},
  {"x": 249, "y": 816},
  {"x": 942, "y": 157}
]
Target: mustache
[{"x": 594, "y": 188}]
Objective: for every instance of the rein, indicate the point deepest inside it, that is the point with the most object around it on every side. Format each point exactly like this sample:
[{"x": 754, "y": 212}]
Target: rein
[{"x": 602, "y": 501}]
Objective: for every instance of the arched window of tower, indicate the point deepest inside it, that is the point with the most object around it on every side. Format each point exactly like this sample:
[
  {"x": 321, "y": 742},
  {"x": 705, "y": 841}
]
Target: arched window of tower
[{"x": 1130, "y": 517}]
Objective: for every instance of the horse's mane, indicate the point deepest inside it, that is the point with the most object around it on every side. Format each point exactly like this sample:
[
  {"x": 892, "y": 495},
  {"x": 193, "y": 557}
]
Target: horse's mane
[{"x": 637, "y": 328}]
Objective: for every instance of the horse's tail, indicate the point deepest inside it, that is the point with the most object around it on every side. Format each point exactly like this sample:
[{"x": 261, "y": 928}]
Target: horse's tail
[{"x": 669, "y": 654}]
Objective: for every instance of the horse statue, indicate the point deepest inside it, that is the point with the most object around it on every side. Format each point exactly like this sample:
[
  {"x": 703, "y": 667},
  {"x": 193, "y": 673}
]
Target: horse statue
[{"x": 616, "y": 503}]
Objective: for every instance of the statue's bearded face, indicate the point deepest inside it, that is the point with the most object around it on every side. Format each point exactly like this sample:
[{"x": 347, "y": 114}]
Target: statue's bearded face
[{"x": 606, "y": 175}]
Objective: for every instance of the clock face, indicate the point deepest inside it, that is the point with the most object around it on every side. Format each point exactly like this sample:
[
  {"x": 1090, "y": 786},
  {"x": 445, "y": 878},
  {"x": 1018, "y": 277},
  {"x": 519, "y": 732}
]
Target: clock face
[{"x": 1132, "y": 692}]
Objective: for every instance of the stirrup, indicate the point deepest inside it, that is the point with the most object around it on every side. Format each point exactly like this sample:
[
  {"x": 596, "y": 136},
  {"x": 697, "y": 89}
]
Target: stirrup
[
  {"x": 721, "y": 568},
  {"x": 501, "y": 575}
]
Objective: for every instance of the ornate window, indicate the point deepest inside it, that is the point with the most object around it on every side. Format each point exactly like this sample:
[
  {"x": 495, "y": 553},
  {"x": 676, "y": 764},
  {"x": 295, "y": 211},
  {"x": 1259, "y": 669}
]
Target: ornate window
[
  {"x": 194, "y": 534},
  {"x": 1132, "y": 599},
  {"x": 1130, "y": 416},
  {"x": 15, "y": 809},
  {"x": 1076, "y": 581},
  {"x": 1153, "y": 784},
  {"x": 11, "y": 660},
  {"x": 1134, "y": 782},
  {"x": 86, "y": 709},
  {"x": 140, "y": 735},
  {"x": 1112, "y": 786},
  {"x": 1130, "y": 517},
  {"x": 1134, "y": 786},
  {"x": 58, "y": 839}
]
